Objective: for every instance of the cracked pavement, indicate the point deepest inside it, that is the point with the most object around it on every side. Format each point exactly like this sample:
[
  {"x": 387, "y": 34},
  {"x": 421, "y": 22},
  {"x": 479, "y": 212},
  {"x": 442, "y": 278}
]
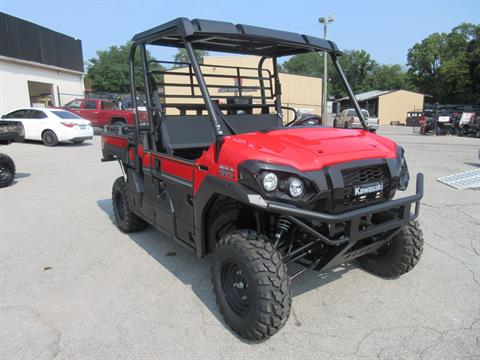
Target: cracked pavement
[{"x": 72, "y": 286}]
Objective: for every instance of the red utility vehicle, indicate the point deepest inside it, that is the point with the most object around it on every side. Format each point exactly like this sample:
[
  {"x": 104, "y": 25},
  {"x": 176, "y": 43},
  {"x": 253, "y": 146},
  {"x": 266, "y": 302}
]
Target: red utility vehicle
[
  {"x": 103, "y": 112},
  {"x": 219, "y": 173}
]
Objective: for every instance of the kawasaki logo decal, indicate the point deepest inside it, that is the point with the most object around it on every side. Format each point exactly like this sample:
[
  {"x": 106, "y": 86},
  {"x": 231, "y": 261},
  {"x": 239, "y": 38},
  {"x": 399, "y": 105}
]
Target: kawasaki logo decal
[{"x": 368, "y": 188}]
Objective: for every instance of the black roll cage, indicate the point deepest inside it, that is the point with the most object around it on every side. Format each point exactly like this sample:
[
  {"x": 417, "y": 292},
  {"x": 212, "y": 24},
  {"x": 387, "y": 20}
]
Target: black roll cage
[{"x": 226, "y": 37}]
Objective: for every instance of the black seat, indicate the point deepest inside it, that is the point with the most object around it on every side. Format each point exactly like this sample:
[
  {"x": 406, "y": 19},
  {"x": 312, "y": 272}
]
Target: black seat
[
  {"x": 245, "y": 123},
  {"x": 181, "y": 132},
  {"x": 186, "y": 132}
]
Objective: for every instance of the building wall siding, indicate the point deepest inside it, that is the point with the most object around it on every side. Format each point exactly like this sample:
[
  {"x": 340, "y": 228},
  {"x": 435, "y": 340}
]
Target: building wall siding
[
  {"x": 14, "y": 79},
  {"x": 395, "y": 105}
]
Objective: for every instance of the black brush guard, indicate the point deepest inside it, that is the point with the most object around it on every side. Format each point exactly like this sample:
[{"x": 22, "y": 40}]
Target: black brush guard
[{"x": 345, "y": 246}]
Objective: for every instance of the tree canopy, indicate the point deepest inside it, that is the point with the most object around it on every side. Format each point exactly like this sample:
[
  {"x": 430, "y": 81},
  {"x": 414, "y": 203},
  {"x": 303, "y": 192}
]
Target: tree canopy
[
  {"x": 447, "y": 65},
  {"x": 443, "y": 65},
  {"x": 182, "y": 55},
  {"x": 109, "y": 70},
  {"x": 362, "y": 71}
]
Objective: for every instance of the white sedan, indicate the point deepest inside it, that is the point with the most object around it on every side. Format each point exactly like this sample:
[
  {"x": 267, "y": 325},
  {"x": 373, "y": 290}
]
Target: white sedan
[{"x": 52, "y": 125}]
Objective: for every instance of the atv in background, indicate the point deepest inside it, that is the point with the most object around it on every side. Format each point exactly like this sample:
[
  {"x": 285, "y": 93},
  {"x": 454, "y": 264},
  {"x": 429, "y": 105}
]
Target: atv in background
[
  {"x": 10, "y": 131},
  {"x": 470, "y": 123}
]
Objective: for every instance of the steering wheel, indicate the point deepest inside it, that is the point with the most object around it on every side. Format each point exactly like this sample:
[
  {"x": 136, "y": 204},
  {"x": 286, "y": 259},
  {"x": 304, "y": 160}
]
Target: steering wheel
[
  {"x": 295, "y": 114},
  {"x": 311, "y": 119}
]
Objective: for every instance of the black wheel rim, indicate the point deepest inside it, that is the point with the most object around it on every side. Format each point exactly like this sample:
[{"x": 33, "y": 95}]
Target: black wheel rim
[
  {"x": 4, "y": 173},
  {"x": 119, "y": 206},
  {"x": 235, "y": 287}
]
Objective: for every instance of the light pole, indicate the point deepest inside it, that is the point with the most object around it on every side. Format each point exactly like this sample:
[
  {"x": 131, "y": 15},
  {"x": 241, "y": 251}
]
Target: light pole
[{"x": 325, "y": 22}]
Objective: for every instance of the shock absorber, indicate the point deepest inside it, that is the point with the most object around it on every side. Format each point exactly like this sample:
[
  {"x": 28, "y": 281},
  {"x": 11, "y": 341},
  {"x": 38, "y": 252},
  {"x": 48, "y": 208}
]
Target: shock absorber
[{"x": 281, "y": 228}]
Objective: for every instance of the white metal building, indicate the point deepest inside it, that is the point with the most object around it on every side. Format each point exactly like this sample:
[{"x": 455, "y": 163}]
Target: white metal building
[{"x": 38, "y": 67}]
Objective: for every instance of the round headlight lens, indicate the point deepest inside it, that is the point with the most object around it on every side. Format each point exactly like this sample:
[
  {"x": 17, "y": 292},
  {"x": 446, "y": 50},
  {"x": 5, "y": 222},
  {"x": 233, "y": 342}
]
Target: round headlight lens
[
  {"x": 270, "y": 181},
  {"x": 295, "y": 187}
]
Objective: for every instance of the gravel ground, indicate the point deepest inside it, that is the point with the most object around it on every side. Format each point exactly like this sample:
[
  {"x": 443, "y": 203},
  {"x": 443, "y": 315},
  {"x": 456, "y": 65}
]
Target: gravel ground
[{"x": 72, "y": 286}]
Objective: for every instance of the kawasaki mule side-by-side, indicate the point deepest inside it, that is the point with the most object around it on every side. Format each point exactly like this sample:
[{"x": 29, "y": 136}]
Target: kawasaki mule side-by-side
[{"x": 218, "y": 171}]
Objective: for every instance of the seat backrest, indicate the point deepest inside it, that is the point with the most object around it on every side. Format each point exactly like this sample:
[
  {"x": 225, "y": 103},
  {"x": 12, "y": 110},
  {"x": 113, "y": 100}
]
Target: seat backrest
[
  {"x": 196, "y": 131},
  {"x": 245, "y": 123},
  {"x": 186, "y": 131}
]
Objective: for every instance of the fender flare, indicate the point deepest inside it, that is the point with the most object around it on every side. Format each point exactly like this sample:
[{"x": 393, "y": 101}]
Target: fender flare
[{"x": 210, "y": 187}]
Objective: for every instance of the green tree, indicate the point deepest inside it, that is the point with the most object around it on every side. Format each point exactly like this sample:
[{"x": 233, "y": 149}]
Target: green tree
[
  {"x": 358, "y": 66},
  {"x": 389, "y": 77},
  {"x": 310, "y": 64},
  {"x": 182, "y": 56},
  {"x": 447, "y": 65},
  {"x": 109, "y": 70}
]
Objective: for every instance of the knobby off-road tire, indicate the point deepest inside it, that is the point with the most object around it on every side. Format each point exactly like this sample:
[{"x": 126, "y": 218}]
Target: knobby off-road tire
[
  {"x": 251, "y": 284},
  {"x": 7, "y": 170},
  {"x": 399, "y": 256},
  {"x": 126, "y": 220},
  {"x": 49, "y": 138}
]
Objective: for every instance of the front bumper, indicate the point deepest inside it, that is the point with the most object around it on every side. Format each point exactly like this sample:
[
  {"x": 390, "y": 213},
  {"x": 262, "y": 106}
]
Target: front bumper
[{"x": 354, "y": 230}]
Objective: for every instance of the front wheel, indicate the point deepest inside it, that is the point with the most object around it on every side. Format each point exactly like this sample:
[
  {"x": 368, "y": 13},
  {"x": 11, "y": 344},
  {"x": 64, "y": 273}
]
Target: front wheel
[
  {"x": 7, "y": 170},
  {"x": 251, "y": 284},
  {"x": 399, "y": 255}
]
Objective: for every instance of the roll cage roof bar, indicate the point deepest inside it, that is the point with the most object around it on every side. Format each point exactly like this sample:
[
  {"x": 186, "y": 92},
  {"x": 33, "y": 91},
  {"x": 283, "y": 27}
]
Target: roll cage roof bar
[{"x": 231, "y": 38}]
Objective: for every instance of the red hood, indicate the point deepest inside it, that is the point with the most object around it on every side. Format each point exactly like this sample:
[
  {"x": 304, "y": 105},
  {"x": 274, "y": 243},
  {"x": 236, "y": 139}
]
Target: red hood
[{"x": 306, "y": 148}]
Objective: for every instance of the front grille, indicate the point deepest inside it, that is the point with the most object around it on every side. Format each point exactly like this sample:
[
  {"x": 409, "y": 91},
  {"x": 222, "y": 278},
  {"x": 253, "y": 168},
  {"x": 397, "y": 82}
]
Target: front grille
[{"x": 361, "y": 176}]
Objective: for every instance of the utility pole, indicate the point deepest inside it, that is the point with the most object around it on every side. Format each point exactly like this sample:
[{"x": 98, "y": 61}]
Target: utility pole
[{"x": 325, "y": 22}]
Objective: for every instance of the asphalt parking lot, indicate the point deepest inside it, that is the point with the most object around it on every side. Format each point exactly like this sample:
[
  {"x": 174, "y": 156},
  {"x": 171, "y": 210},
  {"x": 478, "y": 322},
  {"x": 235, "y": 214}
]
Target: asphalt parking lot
[{"x": 72, "y": 286}]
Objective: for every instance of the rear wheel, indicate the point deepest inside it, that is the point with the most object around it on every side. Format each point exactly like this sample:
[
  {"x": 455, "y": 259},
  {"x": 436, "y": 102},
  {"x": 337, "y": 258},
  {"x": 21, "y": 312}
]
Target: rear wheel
[
  {"x": 251, "y": 284},
  {"x": 126, "y": 220},
  {"x": 49, "y": 138},
  {"x": 7, "y": 170},
  {"x": 399, "y": 255}
]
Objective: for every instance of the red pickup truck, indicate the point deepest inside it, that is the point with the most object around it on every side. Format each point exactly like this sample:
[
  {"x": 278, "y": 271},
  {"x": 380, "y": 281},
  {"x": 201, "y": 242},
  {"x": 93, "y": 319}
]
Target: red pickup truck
[{"x": 102, "y": 112}]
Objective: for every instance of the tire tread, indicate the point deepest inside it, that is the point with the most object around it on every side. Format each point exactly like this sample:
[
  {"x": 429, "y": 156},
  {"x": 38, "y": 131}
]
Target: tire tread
[
  {"x": 271, "y": 278},
  {"x": 132, "y": 222}
]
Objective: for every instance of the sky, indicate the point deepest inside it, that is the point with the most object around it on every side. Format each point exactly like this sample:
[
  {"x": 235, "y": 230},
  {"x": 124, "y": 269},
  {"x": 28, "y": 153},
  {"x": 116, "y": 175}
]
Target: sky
[{"x": 385, "y": 29}]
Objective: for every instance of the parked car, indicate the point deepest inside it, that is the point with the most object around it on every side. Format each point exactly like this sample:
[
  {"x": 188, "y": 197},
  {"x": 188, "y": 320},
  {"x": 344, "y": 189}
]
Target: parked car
[
  {"x": 102, "y": 112},
  {"x": 52, "y": 125},
  {"x": 348, "y": 119},
  {"x": 10, "y": 131},
  {"x": 268, "y": 202}
]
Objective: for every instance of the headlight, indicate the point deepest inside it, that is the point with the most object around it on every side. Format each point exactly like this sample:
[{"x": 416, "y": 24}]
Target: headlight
[
  {"x": 295, "y": 187},
  {"x": 270, "y": 181},
  {"x": 404, "y": 176}
]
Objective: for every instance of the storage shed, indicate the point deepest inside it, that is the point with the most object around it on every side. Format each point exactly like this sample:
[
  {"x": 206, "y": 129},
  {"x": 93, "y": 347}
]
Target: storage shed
[{"x": 390, "y": 106}]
